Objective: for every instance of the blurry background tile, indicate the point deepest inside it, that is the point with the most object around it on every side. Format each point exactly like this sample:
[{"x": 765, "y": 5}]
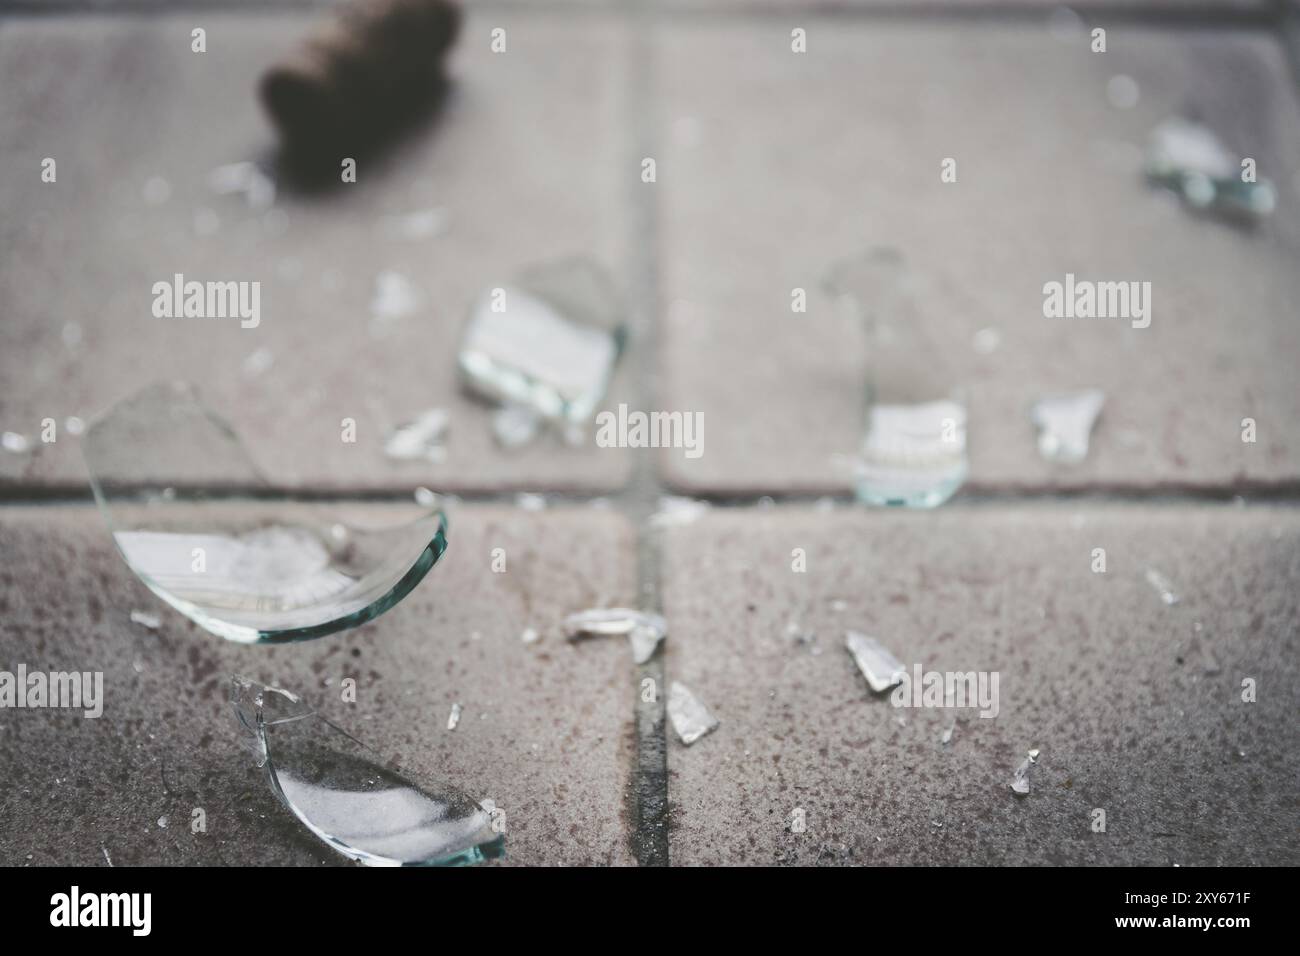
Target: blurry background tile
[
  {"x": 1135, "y": 705},
  {"x": 775, "y": 165},
  {"x": 543, "y": 731},
  {"x": 522, "y": 165}
]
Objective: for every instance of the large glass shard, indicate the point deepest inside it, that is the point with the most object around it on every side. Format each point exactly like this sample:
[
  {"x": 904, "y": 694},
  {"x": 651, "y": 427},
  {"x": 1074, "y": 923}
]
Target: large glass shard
[
  {"x": 881, "y": 669},
  {"x": 351, "y": 798},
  {"x": 690, "y": 718},
  {"x": 914, "y": 445},
  {"x": 913, "y": 456},
  {"x": 1065, "y": 423},
  {"x": 267, "y": 570},
  {"x": 1191, "y": 160},
  {"x": 549, "y": 341},
  {"x": 1020, "y": 778}
]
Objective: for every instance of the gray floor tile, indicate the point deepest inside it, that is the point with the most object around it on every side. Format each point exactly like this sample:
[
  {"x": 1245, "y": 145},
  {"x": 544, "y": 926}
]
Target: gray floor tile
[
  {"x": 525, "y": 160},
  {"x": 774, "y": 165},
  {"x": 544, "y": 731},
  {"x": 1115, "y": 688}
]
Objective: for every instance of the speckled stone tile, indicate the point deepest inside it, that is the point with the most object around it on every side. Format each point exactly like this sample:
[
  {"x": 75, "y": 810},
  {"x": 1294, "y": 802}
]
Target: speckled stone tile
[
  {"x": 774, "y": 165},
  {"x": 544, "y": 731},
  {"x": 523, "y": 163},
  {"x": 1136, "y": 706}
]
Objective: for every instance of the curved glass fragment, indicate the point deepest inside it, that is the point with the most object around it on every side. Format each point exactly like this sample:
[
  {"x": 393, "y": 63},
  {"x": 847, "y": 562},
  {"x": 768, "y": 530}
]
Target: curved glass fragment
[
  {"x": 352, "y": 799},
  {"x": 913, "y": 451},
  {"x": 197, "y": 522}
]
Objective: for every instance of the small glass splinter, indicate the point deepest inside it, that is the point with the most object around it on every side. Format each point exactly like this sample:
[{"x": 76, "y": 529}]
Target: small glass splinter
[
  {"x": 1065, "y": 423},
  {"x": 1162, "y": 586},
  {"x": 548, "y": 341},
  {"x": 265, "y": 571},
  {"x": 881, "y": 669},
  {"x": 690, "y": 718},
  {"x": 419, "y": 439},
  {"x": 349, "y": 797}
]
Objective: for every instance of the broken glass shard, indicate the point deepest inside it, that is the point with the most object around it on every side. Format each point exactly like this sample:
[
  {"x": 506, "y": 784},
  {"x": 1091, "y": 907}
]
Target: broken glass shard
[
  {"x": 454, "y": 717},
  {"x": 395, "y": 297},
  {"x": 245, "y": 179},
  {"x": 602, "y": 622},
  {"x": 549, "y": 340},
  {"x": 914, "y": 445},
  {"x": 690, "y": 718},
  {"x": 1020, "y": 778},
  {"x": 1162, "y": 586},
  {"x": 147, "y": 620},
  {"x": 14, "y": 443},
  {"x": 881, "y": 669},
  {"x": 913, "y": 456},
  {"x": 948, "y": 727},
  {"x": 676, "y": 511},
  {"x": 1065, "y": 423},
  {"x": 644, "y": 631},
  {"x": 352, "y": 799},
  {"x": 950, "y": 722},
  {"x": 420, "y": 439},
  {"x": 1190, "y": 159},
  {"x": 165, "y": 471},
  {"x": 644, "y": 641},
  {"x": 13, "y": 454}
]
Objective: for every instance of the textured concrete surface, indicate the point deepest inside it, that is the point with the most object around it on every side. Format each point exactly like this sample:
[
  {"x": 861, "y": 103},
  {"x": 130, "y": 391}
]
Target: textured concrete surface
[
  {"x": 525, "y": 160},
  {"x": 544, "y": 732},
  {"x": 771, "y": 166},
  {"x": 776, "y": 165},
  {"x": 1114, "y": 687}
]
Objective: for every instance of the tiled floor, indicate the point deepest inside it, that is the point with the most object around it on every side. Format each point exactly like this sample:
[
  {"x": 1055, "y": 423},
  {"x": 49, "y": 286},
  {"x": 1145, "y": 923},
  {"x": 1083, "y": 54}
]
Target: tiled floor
[
  {"x": 770, "y": 167},
  {"x": 524, "y": 163},
  {"x": 545, "y": 729},
  {"x": 1134, "y": 705}
]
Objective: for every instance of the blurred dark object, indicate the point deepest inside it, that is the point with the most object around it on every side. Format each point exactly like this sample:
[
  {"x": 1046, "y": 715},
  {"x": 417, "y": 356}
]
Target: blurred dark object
[{"x": 359, "y": 80}]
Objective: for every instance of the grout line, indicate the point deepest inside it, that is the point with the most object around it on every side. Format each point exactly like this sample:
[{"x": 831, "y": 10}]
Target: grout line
[
  {"x": 639, "y": 499},
  {"x": 648, "y": 790},
  {"x": 1288, "y": 31}
]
